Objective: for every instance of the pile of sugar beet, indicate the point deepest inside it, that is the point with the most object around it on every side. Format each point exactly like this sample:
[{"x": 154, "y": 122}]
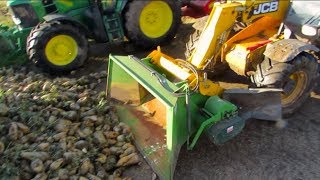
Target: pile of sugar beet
[{"x": 60, "y": 128}]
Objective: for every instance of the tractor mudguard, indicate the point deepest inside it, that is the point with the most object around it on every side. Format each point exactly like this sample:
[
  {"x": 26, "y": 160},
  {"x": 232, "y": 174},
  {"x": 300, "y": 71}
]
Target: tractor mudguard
[
  {"x": 287, "y": 49},
  {"x": 68, "y": 19}
]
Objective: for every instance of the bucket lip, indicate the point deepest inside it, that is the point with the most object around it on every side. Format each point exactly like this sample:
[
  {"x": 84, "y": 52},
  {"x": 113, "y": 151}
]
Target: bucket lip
[{"x": 163, "y": 166}]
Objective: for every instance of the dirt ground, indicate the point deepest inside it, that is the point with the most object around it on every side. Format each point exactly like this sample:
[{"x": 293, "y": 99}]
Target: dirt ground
[{"x": 261, "y": 151}]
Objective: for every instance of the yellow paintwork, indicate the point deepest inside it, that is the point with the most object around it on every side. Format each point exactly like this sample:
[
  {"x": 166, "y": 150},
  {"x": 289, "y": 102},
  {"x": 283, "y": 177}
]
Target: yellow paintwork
[
  {"x": 169, "y": 65},
  {"x": 265, "y": 26},
  {"x": 156, "y": 19},
  {"x": 61, "y": 50},
  {"x": 209, "y": 88},
  {"x": 300, "y": 79},
  {"x": 235, "y": 50},
  {"x": 283, "y": 6},
  {"x": 220, "y": 22}
]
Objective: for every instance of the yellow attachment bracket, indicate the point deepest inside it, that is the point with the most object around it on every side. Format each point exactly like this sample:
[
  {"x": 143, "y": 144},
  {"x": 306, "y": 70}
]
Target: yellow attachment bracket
[
  {"x": 168, "y": 63},
  {"x": 206, "y": 87},
  {"x": 209, "y": 88}
]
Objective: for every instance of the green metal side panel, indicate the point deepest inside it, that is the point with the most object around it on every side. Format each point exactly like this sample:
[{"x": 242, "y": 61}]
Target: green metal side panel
[
  {"x": 73, "y": 8},
  {"x": 65, "y": 6}
]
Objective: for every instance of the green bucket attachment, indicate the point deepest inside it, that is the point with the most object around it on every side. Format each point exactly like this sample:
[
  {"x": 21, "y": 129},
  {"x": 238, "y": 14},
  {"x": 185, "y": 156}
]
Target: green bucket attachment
[{"x": 162, "y": 114}]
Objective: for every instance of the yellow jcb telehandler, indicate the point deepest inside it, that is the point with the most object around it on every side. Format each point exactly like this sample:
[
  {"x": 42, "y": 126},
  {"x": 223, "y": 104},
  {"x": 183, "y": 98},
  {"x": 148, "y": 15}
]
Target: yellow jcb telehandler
[{"x": 172, "y": 101}]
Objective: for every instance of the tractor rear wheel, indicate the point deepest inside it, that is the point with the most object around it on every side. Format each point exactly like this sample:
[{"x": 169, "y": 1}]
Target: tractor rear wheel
[
  {"x": 214, "y": 68},
  {"x": 297, "y": 79},
  {"x": 151, "y": 23},
  {"x": 57, "y": 47}
]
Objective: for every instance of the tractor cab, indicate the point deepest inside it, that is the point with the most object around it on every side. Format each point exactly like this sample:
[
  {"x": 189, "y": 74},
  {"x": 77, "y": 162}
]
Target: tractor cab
[{"x": 304, "y": 20}]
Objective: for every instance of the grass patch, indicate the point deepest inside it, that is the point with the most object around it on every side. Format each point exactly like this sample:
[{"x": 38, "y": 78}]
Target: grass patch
[{"x": 5, "y": 18}]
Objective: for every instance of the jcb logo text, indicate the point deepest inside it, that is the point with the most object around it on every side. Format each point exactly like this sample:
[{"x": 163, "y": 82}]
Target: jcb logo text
[{"x": 266, "y": 7}]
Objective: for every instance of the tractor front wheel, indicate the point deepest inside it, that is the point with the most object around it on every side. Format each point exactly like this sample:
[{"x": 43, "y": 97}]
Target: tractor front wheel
[
  {"x": 297, "y": 79},
  {"x": 57, "y": 47},
  {"x": 152, "y": 23}
]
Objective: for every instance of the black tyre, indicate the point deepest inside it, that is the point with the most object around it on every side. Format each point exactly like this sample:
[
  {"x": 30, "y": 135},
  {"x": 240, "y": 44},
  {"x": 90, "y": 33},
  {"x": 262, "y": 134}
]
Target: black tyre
[
  {"x": 192, "y": 43},
  {"x": 297, "y": 79},
  {"x": 214, "y": 68},
  {"x": 151, "y": 23},
  {"x": 57, "y": 47}
]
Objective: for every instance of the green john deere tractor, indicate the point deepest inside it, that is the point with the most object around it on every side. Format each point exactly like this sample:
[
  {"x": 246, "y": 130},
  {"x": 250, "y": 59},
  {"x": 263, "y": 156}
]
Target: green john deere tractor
[{"x": 55, "y": 34}]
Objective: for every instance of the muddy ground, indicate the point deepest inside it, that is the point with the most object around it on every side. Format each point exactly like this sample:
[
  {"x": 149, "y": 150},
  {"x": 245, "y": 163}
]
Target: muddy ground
[{"x": 261, "y": 151}]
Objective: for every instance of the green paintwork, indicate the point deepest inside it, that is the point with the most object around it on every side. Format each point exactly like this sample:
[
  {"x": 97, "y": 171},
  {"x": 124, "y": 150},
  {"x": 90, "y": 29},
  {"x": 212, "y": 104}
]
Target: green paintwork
[
  {"x": 217, "y": 109},
  {"x": 11, "y": 46},
  {"x": 37, "y": 5},
  {"x": 65, "y": 6},
  {"x": 161, "y": 146}
]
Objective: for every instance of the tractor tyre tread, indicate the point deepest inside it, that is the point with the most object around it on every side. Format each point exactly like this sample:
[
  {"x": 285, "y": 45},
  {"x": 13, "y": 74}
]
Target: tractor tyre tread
[
  {"x": 272, "y": 74},
  {"x": 192, "y": 43}
]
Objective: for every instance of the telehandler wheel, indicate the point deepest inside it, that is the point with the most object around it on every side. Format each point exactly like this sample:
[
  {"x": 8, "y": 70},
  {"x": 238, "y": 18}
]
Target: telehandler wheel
[
  {"x": 214, "y": 69},
  {"x": 57, "y": 47},
  {"x": 297, "y": 79},
  {"x": 151, "y": 23}
]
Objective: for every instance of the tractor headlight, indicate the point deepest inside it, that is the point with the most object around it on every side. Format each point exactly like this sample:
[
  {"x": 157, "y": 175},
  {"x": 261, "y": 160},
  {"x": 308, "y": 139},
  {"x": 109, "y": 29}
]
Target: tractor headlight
[
  {"x": 287, "y": 33},
  {"x": 309, "y": 30},
  {"x": 24, "y": 15},
  {"x": 16, "y": 20}
]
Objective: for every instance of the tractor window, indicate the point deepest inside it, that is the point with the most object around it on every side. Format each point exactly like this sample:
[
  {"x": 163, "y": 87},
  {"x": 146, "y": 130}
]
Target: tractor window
[
  {"x": 25, "y": 15},
  {"x": 304, "y": 12}
]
